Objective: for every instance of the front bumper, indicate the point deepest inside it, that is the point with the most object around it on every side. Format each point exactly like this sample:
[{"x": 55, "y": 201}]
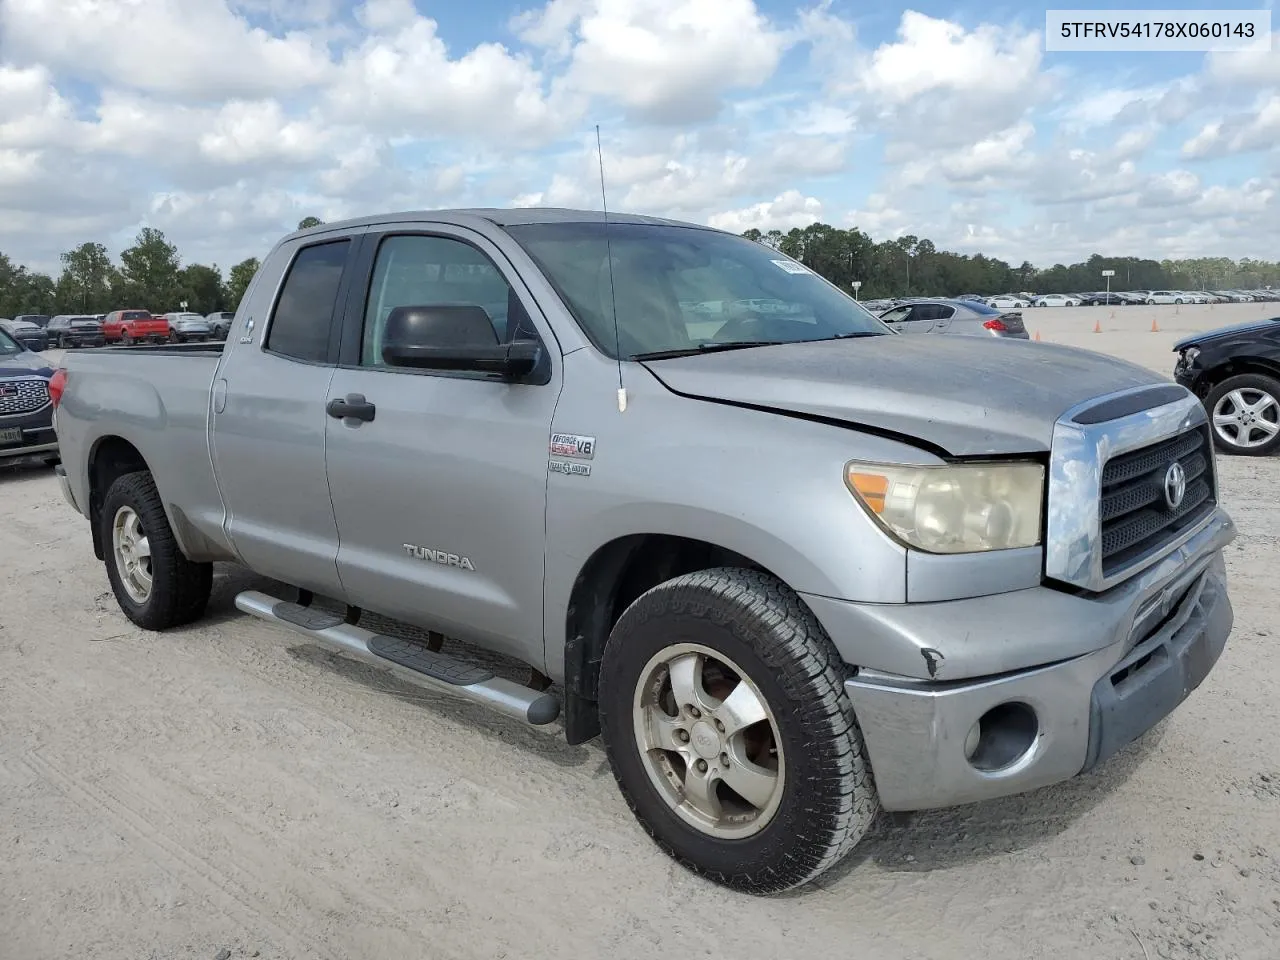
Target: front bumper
[
  {"x": 36, "y": 436},
  {"x": 1086, "y": 707}
]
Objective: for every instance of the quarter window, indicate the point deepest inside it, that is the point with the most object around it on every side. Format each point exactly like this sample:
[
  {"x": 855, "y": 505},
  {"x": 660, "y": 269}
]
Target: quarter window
[{"x": 304, "y": 313}]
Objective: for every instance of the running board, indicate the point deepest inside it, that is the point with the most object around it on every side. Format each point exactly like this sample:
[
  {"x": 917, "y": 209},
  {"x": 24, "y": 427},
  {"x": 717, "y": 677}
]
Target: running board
[{"x": 413, "y": 661}]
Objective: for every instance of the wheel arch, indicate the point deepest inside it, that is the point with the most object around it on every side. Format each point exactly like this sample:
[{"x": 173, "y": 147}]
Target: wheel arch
[
  {"x": 613, "y": 576},
  {"x": 110, "y": 458},
  {"x": 1234, "y": 367}
]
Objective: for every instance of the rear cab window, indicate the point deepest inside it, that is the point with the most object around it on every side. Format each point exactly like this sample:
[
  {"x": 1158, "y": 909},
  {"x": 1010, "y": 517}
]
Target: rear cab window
[{"x": 302, "y": 320}]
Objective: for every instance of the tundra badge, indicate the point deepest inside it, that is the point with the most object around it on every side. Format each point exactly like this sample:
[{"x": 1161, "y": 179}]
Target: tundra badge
[{"x": 439, "y": 556}]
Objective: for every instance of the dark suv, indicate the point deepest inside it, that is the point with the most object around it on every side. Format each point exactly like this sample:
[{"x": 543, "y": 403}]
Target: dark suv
[
  {"x": 26, "y": 411},
  {"x": 74, "y": 331}
]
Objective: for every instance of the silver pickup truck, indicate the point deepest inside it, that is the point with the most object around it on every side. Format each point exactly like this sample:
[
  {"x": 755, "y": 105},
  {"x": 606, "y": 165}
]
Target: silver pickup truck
[{"x": 793, "y": 569}]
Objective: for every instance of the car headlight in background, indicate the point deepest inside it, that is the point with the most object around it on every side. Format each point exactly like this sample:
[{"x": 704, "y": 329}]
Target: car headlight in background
[{"x": 953, "y": 508}]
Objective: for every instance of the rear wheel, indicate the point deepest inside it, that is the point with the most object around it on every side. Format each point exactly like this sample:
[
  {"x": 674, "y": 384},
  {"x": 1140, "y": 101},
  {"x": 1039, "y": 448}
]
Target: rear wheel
[
  {"x": 156, "y": 586},
  {"x": 1245, "y": 413},
  {"x": 126, "y": 338},
  {"x": 731, "y": 738}
]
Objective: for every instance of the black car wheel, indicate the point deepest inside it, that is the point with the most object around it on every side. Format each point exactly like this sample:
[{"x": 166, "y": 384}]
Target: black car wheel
[
  {"x": 1245, "y": 413},
  {"x": 726, "y": 723},
  {"x": 156, "y": 586}
]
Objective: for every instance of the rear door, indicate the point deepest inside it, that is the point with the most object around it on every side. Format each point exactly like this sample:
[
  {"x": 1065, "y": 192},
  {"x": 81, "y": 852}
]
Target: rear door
[
  {"x": 440, "y": 498},
  {"x": 268, "y": 415}
]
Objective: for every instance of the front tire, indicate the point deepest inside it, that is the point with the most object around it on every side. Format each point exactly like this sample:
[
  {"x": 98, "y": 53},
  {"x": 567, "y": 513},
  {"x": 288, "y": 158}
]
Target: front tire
[
  {"x": 724, "y": 716},
  {"x": 1244, "y": 411},
  {"x": 156, "y": 586}
]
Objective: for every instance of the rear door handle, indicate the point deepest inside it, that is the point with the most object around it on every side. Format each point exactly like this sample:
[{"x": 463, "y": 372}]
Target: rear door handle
[{"x": 354, "y": 407}]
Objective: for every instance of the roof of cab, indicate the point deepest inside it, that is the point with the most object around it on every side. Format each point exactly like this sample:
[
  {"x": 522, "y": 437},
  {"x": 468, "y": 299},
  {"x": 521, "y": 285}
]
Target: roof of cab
[{"x": 501, "y": 217}]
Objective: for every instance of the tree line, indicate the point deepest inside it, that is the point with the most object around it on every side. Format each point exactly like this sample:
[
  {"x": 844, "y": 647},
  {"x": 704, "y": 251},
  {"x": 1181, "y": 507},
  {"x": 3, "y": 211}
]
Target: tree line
[
  {"x": 150, "y": 274},
  {"x": 911, "y": 266}
]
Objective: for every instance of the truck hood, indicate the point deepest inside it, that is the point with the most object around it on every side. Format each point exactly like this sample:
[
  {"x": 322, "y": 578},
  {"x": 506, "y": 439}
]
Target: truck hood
[
  {"x": 963, "y": 395},
  {"x": 23, "y": 365},
  {"x": 1248, "y": 326}
]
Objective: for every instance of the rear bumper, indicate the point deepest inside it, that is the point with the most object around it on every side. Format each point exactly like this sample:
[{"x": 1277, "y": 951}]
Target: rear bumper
[
  {"x": 64, "y": 484},
  {"x": 1085, "y": 707}
]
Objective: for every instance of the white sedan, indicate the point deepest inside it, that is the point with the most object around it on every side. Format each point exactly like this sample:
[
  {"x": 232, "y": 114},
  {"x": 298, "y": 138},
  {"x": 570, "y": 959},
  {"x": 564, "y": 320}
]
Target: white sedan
[
  {"x": 1007, "y": 303},
  {"x": 1163, "y": 296},
  {"x": 1055, "y": 300}
]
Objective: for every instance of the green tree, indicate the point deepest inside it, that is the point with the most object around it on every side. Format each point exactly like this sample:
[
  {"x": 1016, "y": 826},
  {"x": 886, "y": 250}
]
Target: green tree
[
  {"x": 86, "y": 280},
  {"x": 150, "y": 272},
  {"x": 307, "y": 223},
  {"x": 201, "y": 286},
  {"x": 238, "y": 281}
]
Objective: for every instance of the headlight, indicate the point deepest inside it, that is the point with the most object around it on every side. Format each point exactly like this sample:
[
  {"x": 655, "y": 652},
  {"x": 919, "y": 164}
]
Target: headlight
[
  {"x": 953, "y": 508},
  {"x": 1189, "y": 355}
]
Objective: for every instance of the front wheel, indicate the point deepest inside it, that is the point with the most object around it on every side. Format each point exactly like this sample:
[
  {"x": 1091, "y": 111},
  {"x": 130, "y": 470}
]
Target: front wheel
[
  {"x": 724, "y": 716},
  {"x": 155, "y": 584},
  {"x": 1245, "y": 412},
  {"x": 126, "y": 338}
]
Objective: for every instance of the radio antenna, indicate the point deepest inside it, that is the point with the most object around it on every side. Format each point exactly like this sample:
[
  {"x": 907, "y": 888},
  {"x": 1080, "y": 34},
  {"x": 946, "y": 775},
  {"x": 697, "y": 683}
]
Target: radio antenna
[{"x": 613, "y": 294}]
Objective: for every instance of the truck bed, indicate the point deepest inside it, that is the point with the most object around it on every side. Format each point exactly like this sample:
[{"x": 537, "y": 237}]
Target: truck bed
[{"x": 155, "y": 400}]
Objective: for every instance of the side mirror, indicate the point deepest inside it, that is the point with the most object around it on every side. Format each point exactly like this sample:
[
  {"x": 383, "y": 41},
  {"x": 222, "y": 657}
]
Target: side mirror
[{"x": 453, "y": 337}]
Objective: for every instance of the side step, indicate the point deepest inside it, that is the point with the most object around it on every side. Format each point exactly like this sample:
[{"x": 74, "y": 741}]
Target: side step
[{"x": 438, "y": 671}]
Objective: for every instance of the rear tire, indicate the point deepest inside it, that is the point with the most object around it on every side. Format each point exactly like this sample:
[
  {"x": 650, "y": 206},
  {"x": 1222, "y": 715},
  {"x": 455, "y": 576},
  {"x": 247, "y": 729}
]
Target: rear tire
[
  {"x": 754, "y": 641},
  {"x": 155, "y": 584},
  {"x": 1242, "y": 410},
  {"x": 126, "y": 339}
]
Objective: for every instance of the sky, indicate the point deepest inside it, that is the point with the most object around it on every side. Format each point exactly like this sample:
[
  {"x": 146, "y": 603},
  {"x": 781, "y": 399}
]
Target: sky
[{"x": 225, "y": 122}]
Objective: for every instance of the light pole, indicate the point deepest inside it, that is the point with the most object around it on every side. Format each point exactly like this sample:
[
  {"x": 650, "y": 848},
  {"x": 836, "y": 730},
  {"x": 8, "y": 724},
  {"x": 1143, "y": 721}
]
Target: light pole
[
  {"x": 1108, "y": 274},
  {"x": 856, "y": 284}
]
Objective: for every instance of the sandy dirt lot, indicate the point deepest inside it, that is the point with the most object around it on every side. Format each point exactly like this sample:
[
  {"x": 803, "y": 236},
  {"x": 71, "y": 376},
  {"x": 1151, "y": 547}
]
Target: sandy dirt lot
[{"x": 232, "y": 790}]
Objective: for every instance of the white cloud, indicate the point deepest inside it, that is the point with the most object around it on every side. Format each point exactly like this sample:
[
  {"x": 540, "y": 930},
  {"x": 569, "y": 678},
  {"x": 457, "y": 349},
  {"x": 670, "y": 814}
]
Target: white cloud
[
  {"x": 196, "y": 49},
  {"x": 226, "y": 121},
  {"x": 787, "y": 210},
  {"x": 667, "y": 61}
]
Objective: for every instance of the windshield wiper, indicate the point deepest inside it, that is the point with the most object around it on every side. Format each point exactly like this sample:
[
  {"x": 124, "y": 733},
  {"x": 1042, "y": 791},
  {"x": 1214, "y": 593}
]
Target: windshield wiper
[
  {"x": 858, "y": 333},
  {"x": 707, "y": 348}
]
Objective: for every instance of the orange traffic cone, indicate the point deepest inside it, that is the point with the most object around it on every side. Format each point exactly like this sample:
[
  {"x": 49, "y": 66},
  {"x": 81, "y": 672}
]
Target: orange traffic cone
[
  {"x": 1155, "y": 327},
  {"x": 1037, "y": 336},
  {"x": 1097, "y": 326}
]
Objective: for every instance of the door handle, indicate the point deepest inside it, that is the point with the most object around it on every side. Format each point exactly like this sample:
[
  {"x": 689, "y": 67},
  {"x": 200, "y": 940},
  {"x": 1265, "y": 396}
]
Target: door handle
[{"x": 354, "y": 407}]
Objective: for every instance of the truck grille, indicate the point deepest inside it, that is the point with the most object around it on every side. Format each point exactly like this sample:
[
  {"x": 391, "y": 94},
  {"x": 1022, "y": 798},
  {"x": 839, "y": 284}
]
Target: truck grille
[
  {"x": 1135, "y": 513},
  {"x": 23, "y": 396}
]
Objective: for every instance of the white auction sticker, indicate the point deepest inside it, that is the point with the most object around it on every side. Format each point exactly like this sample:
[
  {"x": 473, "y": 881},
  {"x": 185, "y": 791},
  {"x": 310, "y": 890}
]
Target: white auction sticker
[
  {"x": 791, "y": 266},
  {"x": 1140, "y": 31}
]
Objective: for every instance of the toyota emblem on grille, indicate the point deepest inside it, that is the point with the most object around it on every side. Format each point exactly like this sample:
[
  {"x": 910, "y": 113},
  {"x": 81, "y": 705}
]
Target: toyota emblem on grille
[{"x": 1175, "y": 485}]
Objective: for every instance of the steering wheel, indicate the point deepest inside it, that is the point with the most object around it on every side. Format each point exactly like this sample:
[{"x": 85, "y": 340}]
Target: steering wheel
[{"x": 744, "y": 327}]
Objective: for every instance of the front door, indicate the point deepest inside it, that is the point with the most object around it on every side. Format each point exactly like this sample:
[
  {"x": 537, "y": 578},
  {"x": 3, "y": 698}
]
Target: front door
[
  {"x": 269, "y": 418},
  {"x": 440, "y": 498}
]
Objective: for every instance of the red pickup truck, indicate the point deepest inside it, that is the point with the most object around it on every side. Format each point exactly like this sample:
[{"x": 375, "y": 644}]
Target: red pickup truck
[{"x": 134, "y": 326}]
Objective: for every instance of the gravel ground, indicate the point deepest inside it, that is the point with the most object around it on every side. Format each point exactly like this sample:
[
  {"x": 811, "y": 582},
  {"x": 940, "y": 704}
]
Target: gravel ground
[{"x": 230, "y": 790}]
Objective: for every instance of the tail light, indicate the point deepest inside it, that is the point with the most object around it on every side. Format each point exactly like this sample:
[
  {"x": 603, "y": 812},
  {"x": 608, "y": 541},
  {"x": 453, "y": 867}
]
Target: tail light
[
  {"x": 57, "y": 384},
  {"x": 996, "y": 325}
]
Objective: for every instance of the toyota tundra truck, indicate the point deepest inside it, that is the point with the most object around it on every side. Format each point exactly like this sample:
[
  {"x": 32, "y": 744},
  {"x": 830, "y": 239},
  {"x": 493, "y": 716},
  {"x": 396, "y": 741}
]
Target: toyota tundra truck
[{"x": 792, "y": 569}]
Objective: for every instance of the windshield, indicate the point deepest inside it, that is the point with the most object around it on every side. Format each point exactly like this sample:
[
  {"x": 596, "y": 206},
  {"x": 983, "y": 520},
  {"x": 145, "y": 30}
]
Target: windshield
[
  {"x": 686, "y": 289},
  {"x": 8, "y": 345}
]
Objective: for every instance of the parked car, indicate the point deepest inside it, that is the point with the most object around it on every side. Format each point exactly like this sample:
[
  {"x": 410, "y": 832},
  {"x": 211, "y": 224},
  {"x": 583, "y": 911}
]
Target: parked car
[
  {"x": 961, "y": 317},
  {"x": 28, "y": 334},
  {"x": 1235, "y": 370},
  {"x": 896, "y": 572},
  {"x": 1154, "y": 297},
  {"x": 134, "y": 326},
  {"x": 1055, "y": 300},
  {"x": 220, "y": 323},
  {"x": 1005, "y": 302},
  {"x": 68, "y": 331},
  {"x": 26, "y": 412},
  {"x": 39, "y": 319},
  {"x": 1104, "y": 299},
  {"x": 187, "y": 327}
]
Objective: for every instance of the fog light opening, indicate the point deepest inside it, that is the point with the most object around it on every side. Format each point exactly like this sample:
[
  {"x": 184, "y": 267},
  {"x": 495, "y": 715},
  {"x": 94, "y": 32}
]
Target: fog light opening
[{"x": 1001, "y": 737}]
